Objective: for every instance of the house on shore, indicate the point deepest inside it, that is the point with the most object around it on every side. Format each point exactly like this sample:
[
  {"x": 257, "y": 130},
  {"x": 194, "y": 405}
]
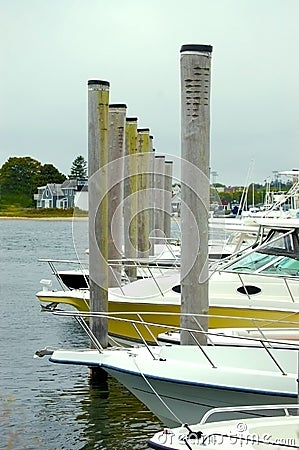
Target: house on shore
[
  {"x": 74, "y": 193},
  {"x": 63, "y": 196}
]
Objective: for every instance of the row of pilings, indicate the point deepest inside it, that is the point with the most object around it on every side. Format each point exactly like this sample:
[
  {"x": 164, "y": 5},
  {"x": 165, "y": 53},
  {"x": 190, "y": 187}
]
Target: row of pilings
[{"x": 130, "y": 189}]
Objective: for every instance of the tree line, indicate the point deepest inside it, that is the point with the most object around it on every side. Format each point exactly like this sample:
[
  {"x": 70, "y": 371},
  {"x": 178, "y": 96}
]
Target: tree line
[{"x": 21, "y": 176}]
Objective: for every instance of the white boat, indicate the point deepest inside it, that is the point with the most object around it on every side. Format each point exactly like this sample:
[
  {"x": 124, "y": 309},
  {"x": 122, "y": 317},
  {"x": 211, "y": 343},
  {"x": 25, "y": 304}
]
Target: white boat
[
  {"x": 166, "y": 256},
  {"x": 260, "y": 283},
  {"x": 279, "y": 430},
  {"x": 181, "y": 383}
]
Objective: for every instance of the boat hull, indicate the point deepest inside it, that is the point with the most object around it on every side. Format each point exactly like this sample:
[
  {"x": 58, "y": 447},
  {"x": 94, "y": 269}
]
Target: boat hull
[
  {"x": 179, "y": 403},
  {"x": 168, "y": 314},
  {"x": 180, "y": 383}
]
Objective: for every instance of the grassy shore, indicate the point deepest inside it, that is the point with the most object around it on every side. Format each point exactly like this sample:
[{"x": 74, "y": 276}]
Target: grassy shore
[{"x": 13, "y": 212}]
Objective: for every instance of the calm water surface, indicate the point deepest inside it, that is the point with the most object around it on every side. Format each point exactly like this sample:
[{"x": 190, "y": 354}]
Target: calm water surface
[{"x": 42, "y": 405}]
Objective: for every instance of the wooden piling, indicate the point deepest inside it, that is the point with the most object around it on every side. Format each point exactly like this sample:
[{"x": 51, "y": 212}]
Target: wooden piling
[
  {"x": 159, "y": 180},
  {"x": 167, "y": 198},
  {"x": 195, "y": 65},
  {"x": 98, "y": 123},
  {"x": 130, "y": 193},
  {"x": 151, "y": 199},
  {"x": 117, "y": 119},
  {"x": 143, "y": 222}
]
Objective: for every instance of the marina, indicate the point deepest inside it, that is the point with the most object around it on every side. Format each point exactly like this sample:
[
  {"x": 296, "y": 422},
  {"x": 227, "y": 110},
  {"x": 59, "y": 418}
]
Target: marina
[{"x": 119, "y": 369}]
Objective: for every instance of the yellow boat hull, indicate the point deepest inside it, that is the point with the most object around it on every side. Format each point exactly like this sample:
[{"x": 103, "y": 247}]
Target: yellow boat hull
[{"x": 169, "y": 316}]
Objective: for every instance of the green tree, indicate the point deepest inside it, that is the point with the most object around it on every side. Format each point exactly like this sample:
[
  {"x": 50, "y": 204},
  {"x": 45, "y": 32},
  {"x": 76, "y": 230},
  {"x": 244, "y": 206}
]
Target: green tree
[
  {"x": 49, "y": 174},
  {"x": 226, "y": 197},
  {"x": 78, "y": 169},
  {"x": 20, "y": 178}
]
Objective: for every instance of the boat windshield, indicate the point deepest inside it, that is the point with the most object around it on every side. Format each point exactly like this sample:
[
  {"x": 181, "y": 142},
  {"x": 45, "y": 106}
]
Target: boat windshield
[
  {"x": 252, "y": 262},
  {"x": 281, "y": 243},
  {"x": 267, "y": 264},
  {"x": 285, "y": 266},
  {"x": 278, "y": 255}
]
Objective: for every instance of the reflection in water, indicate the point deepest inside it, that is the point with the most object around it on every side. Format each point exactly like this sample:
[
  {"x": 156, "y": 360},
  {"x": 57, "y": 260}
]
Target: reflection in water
[{"x": 116, "y": 420}]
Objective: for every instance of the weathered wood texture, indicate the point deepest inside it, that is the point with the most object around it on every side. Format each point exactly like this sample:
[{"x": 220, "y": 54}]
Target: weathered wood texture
[
  {"x": 168, "y": 197},
  {"x": 143, "y": 217},
  {"x": 117, "y": 120},
  {"x": 159, "y": 180},
  {"x": 195, "y": 137},
  {"x": 130, "y": 193},
  {"x": 98, "y": 124}
]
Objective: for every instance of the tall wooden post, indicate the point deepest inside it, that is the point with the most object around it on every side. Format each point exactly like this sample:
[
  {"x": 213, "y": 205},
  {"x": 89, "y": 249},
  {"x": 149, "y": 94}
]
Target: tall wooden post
[
  {"x": 168, "y": 197},
  {"x": 143, "y": 224},
  {"x": 98, "y": 123},
  {"x": 151, "y": 199},
  {"x": 195, "y": 135},
  {"x": 130, "y": 193},
  {"x": 117, "y": 118},
  {"x": 159, "y": 199}
]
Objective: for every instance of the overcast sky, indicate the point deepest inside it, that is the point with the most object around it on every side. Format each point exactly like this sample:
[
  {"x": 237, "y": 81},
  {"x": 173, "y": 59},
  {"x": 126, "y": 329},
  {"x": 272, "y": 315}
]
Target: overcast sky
[{"x": 50, "y": 48}]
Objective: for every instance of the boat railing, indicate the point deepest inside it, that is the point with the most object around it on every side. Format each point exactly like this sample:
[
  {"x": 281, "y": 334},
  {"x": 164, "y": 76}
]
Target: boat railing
[
  {"x": 286, "y": 410},
  {"x": 54, "y": 263},
  {"x": 197, "y": 334},
  {"x": 145, "y": 268},
  {"x": 168, "y": 242},
  {"x": 143, "y": 264}
]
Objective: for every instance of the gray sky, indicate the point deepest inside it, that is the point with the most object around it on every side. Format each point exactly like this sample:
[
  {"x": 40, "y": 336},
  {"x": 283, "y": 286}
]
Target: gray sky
[{"x": 50, "y": 48}]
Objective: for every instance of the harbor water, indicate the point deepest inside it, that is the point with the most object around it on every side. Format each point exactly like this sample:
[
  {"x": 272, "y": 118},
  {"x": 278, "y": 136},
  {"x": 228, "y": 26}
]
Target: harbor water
[{"x": 44, "y": 406}]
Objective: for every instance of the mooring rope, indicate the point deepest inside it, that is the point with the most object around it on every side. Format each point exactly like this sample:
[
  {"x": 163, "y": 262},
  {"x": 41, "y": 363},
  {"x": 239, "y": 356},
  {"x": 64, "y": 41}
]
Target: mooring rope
[{"x": 155, "y": 392}]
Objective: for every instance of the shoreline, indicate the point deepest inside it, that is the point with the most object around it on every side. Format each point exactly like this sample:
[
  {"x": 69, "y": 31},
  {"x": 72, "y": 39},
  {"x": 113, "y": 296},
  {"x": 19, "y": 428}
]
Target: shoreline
[
  {"x": 42, "y": 218},
  {"x": 58, "y": 218}
]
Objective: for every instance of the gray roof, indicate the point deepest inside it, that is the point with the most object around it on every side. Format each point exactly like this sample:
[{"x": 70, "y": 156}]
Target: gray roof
[
  {"x": 68, "y": 184},
  {"x": 55, "y": 188}
]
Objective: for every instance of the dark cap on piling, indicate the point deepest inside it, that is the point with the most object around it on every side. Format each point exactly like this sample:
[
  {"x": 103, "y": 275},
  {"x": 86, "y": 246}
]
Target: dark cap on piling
[
  {"x": 145, "y": 130},
  {"x": 117, "y": 105},
  {"x": 105, "y": 83},
  {"x": 131, "y": 119},
  {"x": 196, "y": 48}
]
